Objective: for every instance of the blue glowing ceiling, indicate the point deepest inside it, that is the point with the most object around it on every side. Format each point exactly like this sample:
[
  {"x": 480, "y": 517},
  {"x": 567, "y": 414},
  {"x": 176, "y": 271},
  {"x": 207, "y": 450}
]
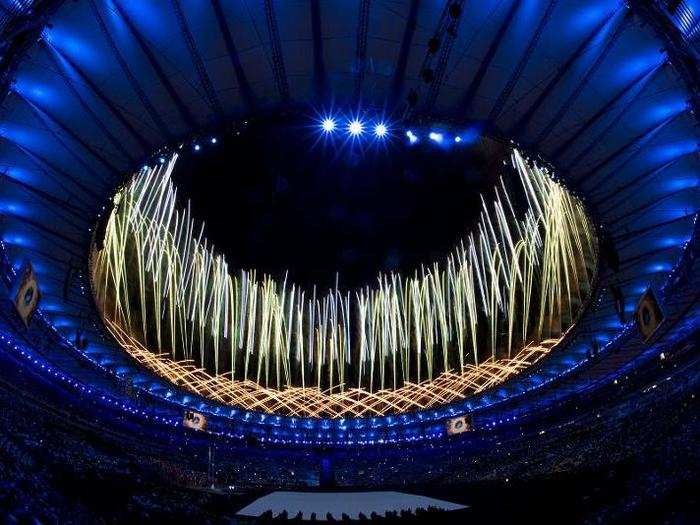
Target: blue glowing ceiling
[{"x": 585, "y": 83}]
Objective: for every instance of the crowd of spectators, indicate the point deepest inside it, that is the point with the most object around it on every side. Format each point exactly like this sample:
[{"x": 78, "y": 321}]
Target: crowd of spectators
[{"x": 56, "y": 470}]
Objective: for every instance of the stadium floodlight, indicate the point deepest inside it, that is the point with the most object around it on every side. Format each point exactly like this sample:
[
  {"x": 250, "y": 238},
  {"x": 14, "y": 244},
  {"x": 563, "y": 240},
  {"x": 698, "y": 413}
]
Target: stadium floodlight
[
  {"x": 328, "y": 125},
  {"x": 197, "y": 147},
  {"x": 356, "y": 128},
  {"x": 412, "y": 137},
  {"x": 380, "y": 130},
  {"x": 435, "y": 137},
  {"x": 213, "y": 140},
  {"x": 458, "y": 139}
]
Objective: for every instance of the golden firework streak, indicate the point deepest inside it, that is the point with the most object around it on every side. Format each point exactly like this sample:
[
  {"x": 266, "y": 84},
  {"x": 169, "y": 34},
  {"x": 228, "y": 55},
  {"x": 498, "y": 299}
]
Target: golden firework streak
[{"x": 408, "y": 343}]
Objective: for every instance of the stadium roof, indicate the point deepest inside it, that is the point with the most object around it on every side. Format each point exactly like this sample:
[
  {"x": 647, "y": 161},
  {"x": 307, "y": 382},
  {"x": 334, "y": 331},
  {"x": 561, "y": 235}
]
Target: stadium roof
[{"x": 96, "y": 88}]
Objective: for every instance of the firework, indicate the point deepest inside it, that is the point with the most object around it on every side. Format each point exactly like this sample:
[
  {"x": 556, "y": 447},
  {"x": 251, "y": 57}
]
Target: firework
[{"x": 518, "y": 280}]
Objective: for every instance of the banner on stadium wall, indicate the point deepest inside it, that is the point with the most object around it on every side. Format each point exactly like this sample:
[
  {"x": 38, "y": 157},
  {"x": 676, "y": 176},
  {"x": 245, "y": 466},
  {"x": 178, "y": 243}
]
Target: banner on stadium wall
[
  {"x": 194, "y": 420},
  {"x": 648, "y": 315},
  {"x": 460, "y": 424},
  {"x": 26, "y": 293}
]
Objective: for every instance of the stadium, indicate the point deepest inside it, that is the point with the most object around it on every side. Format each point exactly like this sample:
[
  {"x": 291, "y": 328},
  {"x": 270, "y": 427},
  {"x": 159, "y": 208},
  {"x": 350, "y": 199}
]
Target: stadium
[{"x": 376, "y": 261}]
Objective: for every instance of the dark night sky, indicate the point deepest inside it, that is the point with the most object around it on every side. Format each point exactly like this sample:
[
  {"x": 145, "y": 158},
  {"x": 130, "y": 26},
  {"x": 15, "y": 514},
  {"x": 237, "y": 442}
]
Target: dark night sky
[{"x": 277, "y": 198}]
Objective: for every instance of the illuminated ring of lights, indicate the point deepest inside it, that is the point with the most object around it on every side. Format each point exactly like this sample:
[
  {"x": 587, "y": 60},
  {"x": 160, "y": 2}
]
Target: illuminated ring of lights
[
  {"x": 560, "y": 225},
  {"x": 448, "y": 387}
]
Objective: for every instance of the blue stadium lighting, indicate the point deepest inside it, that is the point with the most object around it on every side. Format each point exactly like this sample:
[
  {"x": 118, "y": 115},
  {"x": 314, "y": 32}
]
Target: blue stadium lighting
[
  {"x": 435, "y": 137},
  {"x": 380, "y": 130},
  {"x": 355, "y": 128},
  {"x": 328, "y": 125}
]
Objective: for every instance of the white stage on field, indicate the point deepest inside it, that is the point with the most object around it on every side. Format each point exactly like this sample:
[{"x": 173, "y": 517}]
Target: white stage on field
[{"x": 337, "y": 503}]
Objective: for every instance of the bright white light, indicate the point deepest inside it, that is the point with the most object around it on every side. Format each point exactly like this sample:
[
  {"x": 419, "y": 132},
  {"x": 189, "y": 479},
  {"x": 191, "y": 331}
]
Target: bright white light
[
  {"x": 355, "y": 128},
  {"x": 412, "y": 138},
  {"x": 213, "y": 140},
  {"x": 328, "y": 125},
  {"x": 197, "y": 147},
  {"x": 435, "y": 137},
  {"x": 161, "y": 160},
  {"x": 380, "y": 130},
  {"x": 458, "y": 139}
]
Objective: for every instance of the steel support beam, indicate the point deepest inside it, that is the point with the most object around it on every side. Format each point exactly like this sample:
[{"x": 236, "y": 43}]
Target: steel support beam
[
  {"x": 638, "y": 141},
  {"x": 648, "y": 205},
  {"x": 507, "y": 90},
  {"x": 320, "y": 79},
  {"x": 241, "y": 77},
  {"x": 98, "y": 177},
  {"x": 145, "y": 101},
  {"x": 583, "y": 82},
  {"x": 66, "y": 76},
  {"x": 52, "y": 233},
  {"x": 619, "y": 191},
  {"x": 397, "y": 81},
  {"x": 598, "y": 139},
  {"x": 200, "y": 68},
  {"x": 446, "y": 35},
  {"x": 278, "y": 69},
  {"x": 117, "y": 112},
  {"x": 51, "y": 202},
  {"x": 46, "y": 165},
  {"x": 465, "y": 105},
  {"x": 361, "y": 48},
  {"x": 182, "y": 109},
  {"x": 636, "y": 83},
  {"x": 45, "y": 114},
  {"x": 641, "y": 231},
  {"x": 519, "y": 127}
]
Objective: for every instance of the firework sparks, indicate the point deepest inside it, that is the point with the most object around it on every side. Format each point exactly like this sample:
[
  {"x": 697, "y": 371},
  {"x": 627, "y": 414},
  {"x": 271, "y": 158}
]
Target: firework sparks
[{"x": 514, "y": 282}]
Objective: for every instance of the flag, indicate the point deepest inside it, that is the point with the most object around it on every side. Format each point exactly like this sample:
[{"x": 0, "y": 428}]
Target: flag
[
  {"x": 194, "y": 420},
  {"x": 648, "y": 315},
  {"x": 460, "y": 424},
  {"x": 26, "y": 293}
]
